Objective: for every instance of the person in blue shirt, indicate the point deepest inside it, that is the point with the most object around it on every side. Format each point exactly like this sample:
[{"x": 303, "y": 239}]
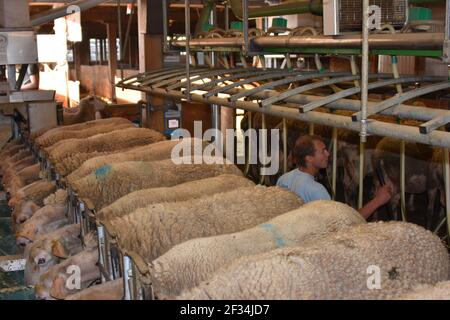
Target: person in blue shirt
[{"x": 312, "y": 155}]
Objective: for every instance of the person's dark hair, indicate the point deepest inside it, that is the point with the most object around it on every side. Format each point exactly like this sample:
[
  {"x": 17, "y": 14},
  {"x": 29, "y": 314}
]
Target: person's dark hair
[{"x": 304, "y": 146}]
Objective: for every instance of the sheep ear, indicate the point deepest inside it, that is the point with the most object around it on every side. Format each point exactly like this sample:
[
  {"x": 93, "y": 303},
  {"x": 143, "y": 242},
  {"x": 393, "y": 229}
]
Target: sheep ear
[
  {"x": 57, "y": 290},
  {"x": 59, "y": 250}
]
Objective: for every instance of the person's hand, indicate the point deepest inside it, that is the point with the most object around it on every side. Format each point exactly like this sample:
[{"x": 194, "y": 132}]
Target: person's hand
[{"x": 383, "y": 194}]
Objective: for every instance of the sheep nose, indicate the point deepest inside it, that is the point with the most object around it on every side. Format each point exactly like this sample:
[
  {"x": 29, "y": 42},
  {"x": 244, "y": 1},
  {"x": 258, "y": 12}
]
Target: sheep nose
[{"x": 41, "y": 261}]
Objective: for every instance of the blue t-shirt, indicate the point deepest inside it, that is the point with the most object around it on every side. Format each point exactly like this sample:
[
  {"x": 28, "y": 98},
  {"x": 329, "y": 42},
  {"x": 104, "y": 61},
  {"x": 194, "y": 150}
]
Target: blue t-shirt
[{"x": 304, "y": 185}]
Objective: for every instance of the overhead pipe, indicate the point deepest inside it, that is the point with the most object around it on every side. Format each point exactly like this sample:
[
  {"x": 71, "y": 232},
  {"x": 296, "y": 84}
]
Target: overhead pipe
[
  {"x": 286, "y": 8},
  {"x": 399, "y": 41},
  {"x": 208, "y": 6},
  {"x": 382, "y": 129},
  {"x": 63, "y": 11}
]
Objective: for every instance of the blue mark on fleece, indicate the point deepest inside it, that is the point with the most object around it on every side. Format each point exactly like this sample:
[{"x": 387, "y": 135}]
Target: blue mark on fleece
[
  {"x": 103, "y": 171},
  {"x": 277, "y": 237}
]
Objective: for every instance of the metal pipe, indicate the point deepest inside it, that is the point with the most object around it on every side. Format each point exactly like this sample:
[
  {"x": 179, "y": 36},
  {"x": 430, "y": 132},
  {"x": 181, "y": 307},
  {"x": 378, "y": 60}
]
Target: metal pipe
[
  {"x": 187, "y": 13},
  {"x": 63, "y": 11},
  {"x": 334, "y": 170},
  {"x": 208, "y": 6},
  {"x": 362, "y": 149},
  {"x": 227, "y": 17},
  {"x": 127, "y": 275},
  {"x": 447, "y": 189},
  {"x": 365, "y": 70},
  {"x": 382, "y": 129},
  {"x": 405, "y": 41},
  {"x": 165, "y": 25},
  {"x": 245, "y": 25},
  {"x": 402, "y": 181},
  {"x": 285, "y": 151},
  {"x": 264, "y": 145},
  {"x": 249, "y": 122},
  {"x": 286, "y": 8}
]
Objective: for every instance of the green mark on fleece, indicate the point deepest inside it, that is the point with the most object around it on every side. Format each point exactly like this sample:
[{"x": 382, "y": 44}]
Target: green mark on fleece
[
  {"x": 271, "y": 229},
  {"x": 103, "y": 171}
]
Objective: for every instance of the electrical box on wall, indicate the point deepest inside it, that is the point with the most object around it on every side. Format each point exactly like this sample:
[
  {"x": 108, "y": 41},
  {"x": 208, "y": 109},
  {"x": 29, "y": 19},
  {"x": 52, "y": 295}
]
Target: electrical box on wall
[
  {"x": 346, "y": 15},
  {"x": 172, "y": 119}
]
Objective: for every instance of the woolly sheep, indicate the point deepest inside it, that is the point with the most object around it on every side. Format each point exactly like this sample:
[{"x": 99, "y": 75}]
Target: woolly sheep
[
  {"x": 153, "y": 152},
  {"x": 343, "y": 265},
  {"x": 111, "y": 290},
  {"x": 114, "y": 140},
  {"x": 39, "y": 255},
  {"x": 153, "y": 230},
  {"x": 440, "y": 291},
  {"x": 83, "y": 164},
  {"x": 112, "y": 181},
  {"x": 36, "y": 191},
  {"x": 185, "y": 191},
  {"x": 52, "y": 284},
  {"x": 187, "y": 264},
  {"x": 62, "y": 133}
]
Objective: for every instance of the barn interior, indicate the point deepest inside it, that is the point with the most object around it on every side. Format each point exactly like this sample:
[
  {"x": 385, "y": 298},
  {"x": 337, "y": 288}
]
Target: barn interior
[{"x": 154, "y": 150}]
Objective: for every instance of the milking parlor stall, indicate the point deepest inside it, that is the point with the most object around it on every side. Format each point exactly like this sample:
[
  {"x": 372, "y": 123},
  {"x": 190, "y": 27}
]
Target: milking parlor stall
[{"x": 154, "y": 167}]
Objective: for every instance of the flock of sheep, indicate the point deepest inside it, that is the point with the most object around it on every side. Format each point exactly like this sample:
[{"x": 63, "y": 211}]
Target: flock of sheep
[{"x": 202, "y": 231}]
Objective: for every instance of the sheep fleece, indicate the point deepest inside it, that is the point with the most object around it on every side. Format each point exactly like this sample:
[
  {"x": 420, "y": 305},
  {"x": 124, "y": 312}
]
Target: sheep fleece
[
  {"x": 114, "y": 140},
  {"x": 182, "y": 192},
  {"x": 112, "y": 181},
  {"x": 336, "y": 267},
  {"x": 187, "y": 264},
  {"x": 153, "y": 230}
]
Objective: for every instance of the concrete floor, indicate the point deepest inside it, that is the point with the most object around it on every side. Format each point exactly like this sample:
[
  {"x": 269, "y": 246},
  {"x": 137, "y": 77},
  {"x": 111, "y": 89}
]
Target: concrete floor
[{"x": 11, "y": 283}]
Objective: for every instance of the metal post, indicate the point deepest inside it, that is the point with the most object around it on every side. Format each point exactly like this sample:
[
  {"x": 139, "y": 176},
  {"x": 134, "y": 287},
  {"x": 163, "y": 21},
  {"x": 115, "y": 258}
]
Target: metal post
[
  {"x": 165, "y": 26},
  {"x": 447, "y": 190},
  {"x": 446, "y": 49},
  {"x": 285, "y": 151},
  {"x": 334, "y": 171},
  {"x": 402, "y": 180},
  {"x": 227, "y": 17},
  {"x": 263, "y": 144},
  {"x": 362, "y": 148},
  {"x": 249, "y": 153},
  {"x": 127, "y": 275},
  {"x": 187, "y": 12},
  {"x": 12, "y": 77},
  {"x": 245, "y": 25},
  {"x": 311, "y": 129},
  {"x": 101, "y": 250},
  {"x": 365, "y": 70}
]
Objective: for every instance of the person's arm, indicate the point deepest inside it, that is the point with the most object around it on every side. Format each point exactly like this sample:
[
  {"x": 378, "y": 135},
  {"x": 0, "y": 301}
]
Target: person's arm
[
  {"x": 382, "y": 196},
  {"x": 34, "y": 83}
]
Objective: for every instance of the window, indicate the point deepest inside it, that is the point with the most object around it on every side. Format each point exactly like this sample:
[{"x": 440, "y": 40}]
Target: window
[{"x": 99, "y": 51}]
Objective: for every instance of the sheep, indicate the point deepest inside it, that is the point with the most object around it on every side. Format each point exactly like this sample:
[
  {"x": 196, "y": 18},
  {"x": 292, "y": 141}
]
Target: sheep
[
  {"x": 53, "y": 136},
  {"x": 112, "y": 181},
  {"x": 153, "y": 152},
  {"x": 114, "y": 140},
  {"x": 111, "y": 290},
  {"x": 36, "y": 191},
  {"x": 158, "y": 227},
  {"x": 85, "y": 111},
  {"x": 23, "y": 178},
  {"x": 52, "y": 284},
  {"x": 40, "y": 255},
  {"x": 440, "y": 291},
  {"x": 367, "y": 261},
  {"x": 22, "y": 212},
  {"x": 10, "y": 151},
  {"x": 185, "y": 191},
  {"x": 25, "y": 209},
  {"x": 48, "y": 218},
  {"x": 10, "y": 175},
  {"x": 10, "y": 161},
  {"x": 187, "y": 264}
]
